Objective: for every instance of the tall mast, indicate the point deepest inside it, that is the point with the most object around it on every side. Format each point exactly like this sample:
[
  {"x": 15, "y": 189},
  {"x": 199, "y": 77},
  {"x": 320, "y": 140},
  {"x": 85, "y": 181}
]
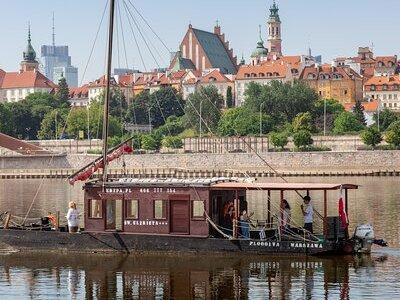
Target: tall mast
[{"x": 108, "y": 92}]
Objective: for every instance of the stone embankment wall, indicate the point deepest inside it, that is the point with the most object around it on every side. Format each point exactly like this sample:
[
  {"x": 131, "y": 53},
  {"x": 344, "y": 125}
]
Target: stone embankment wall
[
  {"x": 360, "y": 160},
  {"x": 296, "y": 161}
]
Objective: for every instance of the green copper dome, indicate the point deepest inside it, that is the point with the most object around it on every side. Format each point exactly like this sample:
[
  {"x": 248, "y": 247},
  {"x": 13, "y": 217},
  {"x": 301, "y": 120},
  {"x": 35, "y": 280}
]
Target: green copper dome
[
  {"x": 29, "y": 53},
  {"x": 260, "y": 50}
]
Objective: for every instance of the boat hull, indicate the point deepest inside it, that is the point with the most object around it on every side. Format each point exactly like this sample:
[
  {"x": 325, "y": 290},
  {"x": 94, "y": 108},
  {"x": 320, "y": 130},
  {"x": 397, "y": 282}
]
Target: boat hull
[{"x": 22, "y": 240}]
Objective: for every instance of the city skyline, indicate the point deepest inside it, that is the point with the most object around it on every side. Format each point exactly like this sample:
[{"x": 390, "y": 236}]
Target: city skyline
[{"x": 302, "y": 26}]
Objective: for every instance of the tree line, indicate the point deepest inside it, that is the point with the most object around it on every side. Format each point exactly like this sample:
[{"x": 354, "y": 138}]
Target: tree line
[{"x": 279, "y": 110}]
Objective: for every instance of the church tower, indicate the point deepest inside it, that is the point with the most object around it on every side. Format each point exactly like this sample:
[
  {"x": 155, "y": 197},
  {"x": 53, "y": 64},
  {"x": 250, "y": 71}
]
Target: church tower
[
  {"x": 29, "y": 62},
  {"x": 274, "y": 31}
]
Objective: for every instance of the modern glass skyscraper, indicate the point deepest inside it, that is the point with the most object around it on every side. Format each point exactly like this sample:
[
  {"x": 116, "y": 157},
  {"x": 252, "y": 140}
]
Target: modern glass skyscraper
[{"x": 57, "y": 63}]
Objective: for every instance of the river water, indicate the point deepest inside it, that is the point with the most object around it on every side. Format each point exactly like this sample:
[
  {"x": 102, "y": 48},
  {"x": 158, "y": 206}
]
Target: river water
[{"x": 52, "y": 276}]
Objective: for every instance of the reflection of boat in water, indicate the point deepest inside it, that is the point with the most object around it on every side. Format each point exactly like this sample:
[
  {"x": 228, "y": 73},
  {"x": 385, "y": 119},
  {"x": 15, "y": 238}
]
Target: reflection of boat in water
[
  {"x": 132, "y": 215},
  {"x": 185, "y": 277}
]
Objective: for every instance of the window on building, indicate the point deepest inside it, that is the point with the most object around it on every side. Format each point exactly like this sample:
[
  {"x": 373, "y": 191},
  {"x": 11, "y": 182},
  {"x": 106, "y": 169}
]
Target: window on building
[
  {"x": 395, "y": 96},
  {"x": 320, "y": 93},
  {"x": 311, "y": 76},
  {"x": 390, "y": 105},
  {"x": 395, "y": 104},
  {"x": 345, "y": 92},
  {"x": 390, "y": 96},
  {"x": 385, "y": 87},
  {"x": 380, "y": 64},
  {"x": 384, "y": 97},
  {"x": 384, "y": 105},
  {"x": 132, "y": 209},
  {"x": 95, "y": 209},
  {"x": 373, "y": 87},
  {"x": 160, "y": 209},
  {"x": 198, "y": 209}
]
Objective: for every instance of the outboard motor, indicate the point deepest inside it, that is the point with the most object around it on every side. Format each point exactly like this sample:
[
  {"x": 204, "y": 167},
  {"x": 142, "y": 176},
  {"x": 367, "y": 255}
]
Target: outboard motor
[{"x": 364, "y": 237}]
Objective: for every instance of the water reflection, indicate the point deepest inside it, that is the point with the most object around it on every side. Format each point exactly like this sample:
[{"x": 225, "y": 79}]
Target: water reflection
[{"x": 50, "y": 276}]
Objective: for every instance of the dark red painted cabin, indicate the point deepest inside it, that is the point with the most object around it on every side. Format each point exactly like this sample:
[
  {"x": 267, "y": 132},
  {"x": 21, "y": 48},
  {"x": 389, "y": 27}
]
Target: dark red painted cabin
[{"x": 146, "y": 206}]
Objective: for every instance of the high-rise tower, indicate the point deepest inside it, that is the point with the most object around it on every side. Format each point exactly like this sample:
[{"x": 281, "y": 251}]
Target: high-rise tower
[
  {"x": 274, "y": 31},
  {"x": 57, "y": 62}
]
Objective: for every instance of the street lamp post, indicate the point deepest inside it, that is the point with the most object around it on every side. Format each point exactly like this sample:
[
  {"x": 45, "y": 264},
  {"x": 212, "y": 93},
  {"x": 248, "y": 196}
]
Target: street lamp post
[
  {"x": 324, "y": 116},
  {"x": 200, "y": 121},
  {"x": 261, "y": 107},
  {"x": 150, "y": 128},
  {"x": 379, "y": 113},
  {"x": 55, "y": 121}
]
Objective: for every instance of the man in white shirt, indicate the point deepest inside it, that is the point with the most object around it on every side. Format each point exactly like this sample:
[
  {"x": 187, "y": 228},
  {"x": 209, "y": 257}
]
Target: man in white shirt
[{"x": 308, "y": 212}]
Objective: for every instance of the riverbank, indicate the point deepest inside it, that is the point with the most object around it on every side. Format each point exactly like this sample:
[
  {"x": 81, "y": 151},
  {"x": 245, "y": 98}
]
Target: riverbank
[{"x": 369, "y": 163}]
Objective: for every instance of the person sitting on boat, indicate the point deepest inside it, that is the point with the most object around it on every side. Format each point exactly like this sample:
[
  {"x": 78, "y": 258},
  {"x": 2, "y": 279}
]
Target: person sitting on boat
[
  {"x": 308, "y": 214},
  {"x": 286, "y": 214},
  {"x": 73, "y": 218},
  {"x": 245, "y": 224}
]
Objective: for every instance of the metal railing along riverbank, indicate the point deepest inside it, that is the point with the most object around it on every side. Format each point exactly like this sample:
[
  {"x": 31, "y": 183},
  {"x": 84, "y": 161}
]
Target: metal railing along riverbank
[{"x": 187, "y": 173}]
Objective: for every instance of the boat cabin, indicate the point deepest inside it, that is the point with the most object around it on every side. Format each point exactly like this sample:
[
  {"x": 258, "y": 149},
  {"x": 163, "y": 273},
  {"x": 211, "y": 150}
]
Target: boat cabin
[{"x": 196, "y": 207}]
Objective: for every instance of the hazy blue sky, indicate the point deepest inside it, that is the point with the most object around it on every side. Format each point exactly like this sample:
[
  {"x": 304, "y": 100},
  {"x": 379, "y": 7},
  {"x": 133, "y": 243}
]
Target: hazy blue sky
[{"x": 331, "y": 28}]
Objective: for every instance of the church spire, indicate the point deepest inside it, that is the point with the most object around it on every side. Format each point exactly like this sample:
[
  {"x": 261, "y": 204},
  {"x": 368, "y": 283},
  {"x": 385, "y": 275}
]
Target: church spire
[{"x": 29, "y": 54}]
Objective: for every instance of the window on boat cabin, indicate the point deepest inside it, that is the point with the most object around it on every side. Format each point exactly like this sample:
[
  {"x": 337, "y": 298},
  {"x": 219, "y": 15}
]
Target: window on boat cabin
[
  {"x": 95, "y": 209},
  {"x": 132, "y": 209},
  {"x": 198, "y": 209},
  {"x": 160, "y": 209}
]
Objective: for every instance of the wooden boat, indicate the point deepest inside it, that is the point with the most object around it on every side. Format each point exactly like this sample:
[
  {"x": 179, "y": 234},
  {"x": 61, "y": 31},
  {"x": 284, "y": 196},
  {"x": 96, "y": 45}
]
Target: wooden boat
[
  {"x": 177, "y": 215},
  {"x": 133, "y": 215}
]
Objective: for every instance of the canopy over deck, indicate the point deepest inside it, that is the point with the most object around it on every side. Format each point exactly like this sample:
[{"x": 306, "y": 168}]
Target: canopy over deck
[
  {"x": 222, "y": 183},
  {"x": 281, "y": 186}
]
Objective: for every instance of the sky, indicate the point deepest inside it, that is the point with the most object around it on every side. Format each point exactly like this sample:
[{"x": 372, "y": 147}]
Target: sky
[{"x": 330, "y": 28}]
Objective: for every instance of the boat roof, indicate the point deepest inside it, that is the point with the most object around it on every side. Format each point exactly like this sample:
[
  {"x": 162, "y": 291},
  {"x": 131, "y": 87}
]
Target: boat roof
[
  {"x": 221, "y": 183},
  {"x": 281, "y": 186}
]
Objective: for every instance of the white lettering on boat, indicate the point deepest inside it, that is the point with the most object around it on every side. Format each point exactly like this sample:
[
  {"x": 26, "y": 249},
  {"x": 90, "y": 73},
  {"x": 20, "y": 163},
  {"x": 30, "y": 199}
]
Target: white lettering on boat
[
  {"x": 145, "y": 223},
  {"x": 291, "y": 244},
  {"x": 118, "y": 190}
]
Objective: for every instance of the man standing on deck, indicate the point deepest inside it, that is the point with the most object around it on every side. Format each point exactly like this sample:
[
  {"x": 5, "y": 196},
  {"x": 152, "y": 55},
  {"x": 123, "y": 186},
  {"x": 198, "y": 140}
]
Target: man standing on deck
[{"x": 308, "y": 214}]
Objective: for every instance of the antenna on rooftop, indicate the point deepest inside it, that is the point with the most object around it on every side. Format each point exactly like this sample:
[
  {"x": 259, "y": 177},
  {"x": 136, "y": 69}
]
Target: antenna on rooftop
[{"x": 54, "y": 32}]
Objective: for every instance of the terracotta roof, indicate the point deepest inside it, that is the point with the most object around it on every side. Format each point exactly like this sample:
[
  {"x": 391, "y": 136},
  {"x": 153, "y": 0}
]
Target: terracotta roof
[
  {"x": 79, "y": 92},
  {"x": 125, "y": 80},
  {"x": 391, "y": 82},
  {"x": 214, "y": 76},
  {"x": 371, "y": 106},
  {"x": 271, "y": 69},
  {"x": 330, "y": 71},
  {"x": 27, "y": 79}
]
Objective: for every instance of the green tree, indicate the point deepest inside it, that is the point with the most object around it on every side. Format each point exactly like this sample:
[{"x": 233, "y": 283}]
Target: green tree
[
  {"x": 386, "y": 117},
  {"x": 150, "y": 142},
  {"x": 77, "y": 121},
  {"x": 392, "y": 136},
  {"x": 302, "y": 139},
  {"x": 358, "y": 111},
  {"x": 333, "y": 109},
  {"x": 138, "y": 110},
  {"x": 283, "y": 101},
  {"x": 240, "y": 121},
  {"x": 303, "y": 121},
  {"x": 172, "y": 142},
  {"x": 52, "y": 125},
  {"x": 229, "y": 97},
  {"x": 346, "y": 122},
  {"x": 279, "y": 139},
  {"x": 174, "y": 126},
  {"x": 165, "y": 102},
  {"x": 371, "y": 136},
  {"x": 208, "y": 102},
  {"x": 62, "y": 94},
  {"x": 6, "y": 119}
]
